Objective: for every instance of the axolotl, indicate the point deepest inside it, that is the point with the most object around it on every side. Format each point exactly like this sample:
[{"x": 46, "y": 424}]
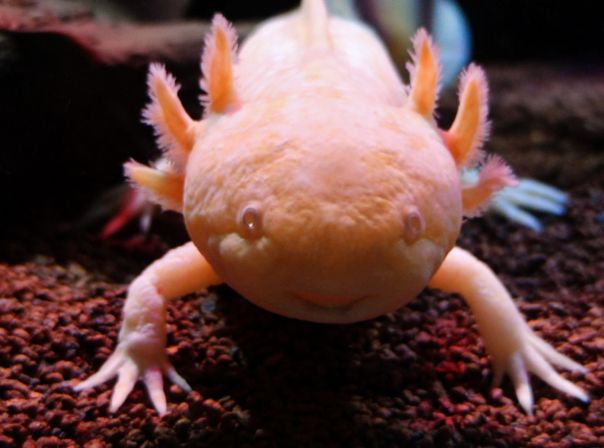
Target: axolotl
[{"x": 319, "y": 187}]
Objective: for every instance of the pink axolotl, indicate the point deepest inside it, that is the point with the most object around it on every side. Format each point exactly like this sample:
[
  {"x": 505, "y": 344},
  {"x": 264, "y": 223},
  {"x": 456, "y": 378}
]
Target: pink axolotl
[{"x": 319, "y": 187}]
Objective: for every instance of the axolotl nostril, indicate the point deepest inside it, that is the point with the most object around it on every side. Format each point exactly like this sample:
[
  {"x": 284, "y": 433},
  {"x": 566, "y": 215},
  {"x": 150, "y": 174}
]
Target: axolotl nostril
[{"x": 319, "y": 187}]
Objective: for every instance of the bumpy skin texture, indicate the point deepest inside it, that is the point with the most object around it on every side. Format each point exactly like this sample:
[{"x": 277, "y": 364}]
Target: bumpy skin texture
[
  {"x": 320, "y": 188},
  {"x": 335, "y": 227}
]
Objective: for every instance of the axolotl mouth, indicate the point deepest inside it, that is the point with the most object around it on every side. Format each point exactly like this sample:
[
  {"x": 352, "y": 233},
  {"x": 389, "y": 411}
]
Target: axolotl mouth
[{"x": 328, "y": 301}]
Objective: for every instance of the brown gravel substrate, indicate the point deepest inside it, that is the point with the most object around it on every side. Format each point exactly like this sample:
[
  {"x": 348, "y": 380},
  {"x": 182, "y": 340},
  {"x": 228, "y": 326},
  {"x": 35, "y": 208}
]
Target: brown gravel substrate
[{"x": 417, "y": 377}]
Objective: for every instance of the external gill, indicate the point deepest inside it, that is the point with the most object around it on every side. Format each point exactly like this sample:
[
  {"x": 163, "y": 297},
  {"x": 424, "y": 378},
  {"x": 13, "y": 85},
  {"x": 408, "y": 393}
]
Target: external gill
[
  {"x": 470, "y": 127},
  {"x": 176, "y": 131}
]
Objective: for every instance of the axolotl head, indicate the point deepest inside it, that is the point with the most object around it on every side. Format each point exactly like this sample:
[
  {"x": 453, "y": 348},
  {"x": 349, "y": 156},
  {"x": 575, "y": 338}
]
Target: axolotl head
[
  {"x": 321, "y": 204},
  {"x": 332, "y": 216}
]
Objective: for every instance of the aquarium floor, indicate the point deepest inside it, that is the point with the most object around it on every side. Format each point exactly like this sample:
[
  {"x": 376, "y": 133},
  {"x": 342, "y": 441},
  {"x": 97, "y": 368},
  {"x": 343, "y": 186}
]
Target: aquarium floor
[{"x": 417, "y": 377}]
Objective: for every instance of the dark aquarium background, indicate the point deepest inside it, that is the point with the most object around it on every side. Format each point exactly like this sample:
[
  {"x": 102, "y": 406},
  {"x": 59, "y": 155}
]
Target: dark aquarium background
[{"x": 502, "y": 30}]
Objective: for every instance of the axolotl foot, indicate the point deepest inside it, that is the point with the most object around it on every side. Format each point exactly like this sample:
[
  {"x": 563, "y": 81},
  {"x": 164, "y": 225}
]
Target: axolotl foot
[
  {"x": 141, "y": 351},
  {"x": 536, "y": 356},
  {"x": 136, "y": 357},
  {"x": 512, "y": 345}
]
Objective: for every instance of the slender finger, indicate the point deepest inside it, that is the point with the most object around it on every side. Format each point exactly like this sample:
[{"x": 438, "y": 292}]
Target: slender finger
[
  {"x": 513, "y": 213},
  {"x": 127, "y": 379},
  {"x": 173, "y": 375},
  {"x": 155, "y": 386},
  {"x": 107, "y": 371},
  {"x": 519, "y": 376},
  {"x": 553, "y": 356},
  {"x": 543, "y": 370}
]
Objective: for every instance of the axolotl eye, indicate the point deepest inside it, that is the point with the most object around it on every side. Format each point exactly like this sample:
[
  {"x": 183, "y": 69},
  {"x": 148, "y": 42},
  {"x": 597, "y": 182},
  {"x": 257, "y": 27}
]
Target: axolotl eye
[
  {"x": 413, "y": 224},
  {"x": 250, "y": 221}
]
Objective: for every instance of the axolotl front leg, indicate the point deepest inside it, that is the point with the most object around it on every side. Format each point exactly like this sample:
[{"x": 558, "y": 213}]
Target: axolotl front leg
[
  {"x": 514, "y": 347},
  {"x": 141, "y": 351}
]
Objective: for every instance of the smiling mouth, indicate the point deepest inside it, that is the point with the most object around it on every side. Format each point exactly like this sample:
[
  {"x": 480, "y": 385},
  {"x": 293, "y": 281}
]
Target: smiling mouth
[{"x": 328, "y": 301}]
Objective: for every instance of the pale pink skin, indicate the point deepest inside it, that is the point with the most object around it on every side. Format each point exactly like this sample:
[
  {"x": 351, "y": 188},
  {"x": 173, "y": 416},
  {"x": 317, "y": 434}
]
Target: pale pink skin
[{"x": 319, "y": 188}]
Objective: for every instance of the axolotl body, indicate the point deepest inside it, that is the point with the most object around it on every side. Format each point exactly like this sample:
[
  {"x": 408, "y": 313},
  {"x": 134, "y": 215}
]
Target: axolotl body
[{"x": 319, "y": 187}]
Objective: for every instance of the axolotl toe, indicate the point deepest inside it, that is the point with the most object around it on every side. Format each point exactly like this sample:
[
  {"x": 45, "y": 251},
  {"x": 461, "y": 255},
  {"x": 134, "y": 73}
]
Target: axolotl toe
[{"x": 319, "y": 187}]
